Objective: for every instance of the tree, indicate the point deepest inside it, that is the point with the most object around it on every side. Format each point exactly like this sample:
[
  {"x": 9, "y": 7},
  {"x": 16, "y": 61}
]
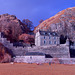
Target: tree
[
  {"x": 27, "y": 25},
  {"x": 10, "y": 27},
  {"x": 27, "y": 38}
]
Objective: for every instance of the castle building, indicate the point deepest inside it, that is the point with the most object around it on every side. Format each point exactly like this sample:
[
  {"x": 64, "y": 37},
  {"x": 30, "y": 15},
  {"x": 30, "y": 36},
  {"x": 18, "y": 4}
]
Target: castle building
[{"x": 43, "y": 38}]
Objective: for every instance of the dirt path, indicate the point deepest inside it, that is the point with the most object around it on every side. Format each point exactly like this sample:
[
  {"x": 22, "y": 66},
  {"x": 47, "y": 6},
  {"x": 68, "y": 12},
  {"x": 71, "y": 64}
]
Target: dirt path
[{"x": 33, "y": 69}]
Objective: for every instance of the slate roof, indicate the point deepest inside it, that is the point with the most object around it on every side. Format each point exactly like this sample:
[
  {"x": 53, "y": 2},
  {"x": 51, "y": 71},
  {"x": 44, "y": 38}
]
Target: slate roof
[
  {"x": 34, "y": 54},
  {"x": 48, "y": 33}
]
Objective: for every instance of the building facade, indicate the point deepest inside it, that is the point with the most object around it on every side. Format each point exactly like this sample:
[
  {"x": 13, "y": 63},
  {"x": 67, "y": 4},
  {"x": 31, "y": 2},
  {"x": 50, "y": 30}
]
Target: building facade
[{"x": 43, "y": 38}]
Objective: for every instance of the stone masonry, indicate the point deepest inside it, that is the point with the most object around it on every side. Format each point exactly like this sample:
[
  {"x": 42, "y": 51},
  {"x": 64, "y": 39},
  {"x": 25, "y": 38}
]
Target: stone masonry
[
  {"x": 60, "y": 51},
  {"x": 56, "y": 51},
  {"x": 43, "y": 38}
]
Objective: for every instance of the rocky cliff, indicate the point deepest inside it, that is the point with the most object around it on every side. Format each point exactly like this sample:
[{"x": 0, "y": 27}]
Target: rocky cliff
[{"x": 63, "y": 23}]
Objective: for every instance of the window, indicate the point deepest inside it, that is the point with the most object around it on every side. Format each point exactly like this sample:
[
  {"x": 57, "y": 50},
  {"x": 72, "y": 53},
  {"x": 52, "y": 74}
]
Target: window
[
  {"x": 48, "y": 33},
  {"x": 53, "y": 33},
  {"x": 54, "y": 42},
  {"x": 44, "y": 37},
  {"x": 54, "y": 37},
  {"x": 49, "y": 37},
  {"x": 30, "y": 57},
  {"x": 49, "y": 42},
  {"x": 44, "y": 42},
  {"x": 44, "y": 33},
  {"x": 74, "y": 43}
]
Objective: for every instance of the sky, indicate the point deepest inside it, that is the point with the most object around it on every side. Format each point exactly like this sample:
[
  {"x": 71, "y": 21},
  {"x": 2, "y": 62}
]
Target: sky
[{"x": 34, "y": 10}]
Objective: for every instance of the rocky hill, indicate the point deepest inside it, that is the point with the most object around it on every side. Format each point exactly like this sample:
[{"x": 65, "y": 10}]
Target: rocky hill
[
  {"x": 63, "y": 23},
  {"x": 10, "y": 26}
]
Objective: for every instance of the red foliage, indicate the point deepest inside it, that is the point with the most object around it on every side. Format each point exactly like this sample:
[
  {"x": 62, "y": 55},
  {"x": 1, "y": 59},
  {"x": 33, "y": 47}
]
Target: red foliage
[{"x": 27, "y": 38}]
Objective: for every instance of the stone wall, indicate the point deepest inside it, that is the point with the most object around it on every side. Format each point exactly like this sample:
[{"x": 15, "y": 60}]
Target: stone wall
[
  {"x": 60, "y": 51},
  {"x": 15, "y": 50},
  {"x": 42, "y": 59},
  {"x": 56, "y": 51},
  {"x": 60, "y": 60},
  {"x": 30, "y": 59},
  {"x": 47, "y": 40},
  {"x": 39, "y": 39}
]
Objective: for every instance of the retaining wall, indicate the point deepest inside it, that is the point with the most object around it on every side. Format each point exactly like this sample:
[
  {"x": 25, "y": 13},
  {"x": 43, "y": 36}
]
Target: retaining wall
[
  {"x": 60, "y": 51},
  {"x": 30, "y": 59},
  {"x": 56, "y": 51},
  {"x": 42, "y": 59}
]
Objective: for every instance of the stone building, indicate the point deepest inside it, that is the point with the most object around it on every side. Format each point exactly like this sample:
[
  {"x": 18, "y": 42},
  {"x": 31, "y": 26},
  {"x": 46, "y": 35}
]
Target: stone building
[{"x": 43, "y": 38}]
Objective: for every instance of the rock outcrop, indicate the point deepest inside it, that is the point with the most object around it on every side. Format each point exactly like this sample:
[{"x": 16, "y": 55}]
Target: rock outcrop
[
  {"x": 63, "y": 23},
  {"x": 5, "y": 54}
]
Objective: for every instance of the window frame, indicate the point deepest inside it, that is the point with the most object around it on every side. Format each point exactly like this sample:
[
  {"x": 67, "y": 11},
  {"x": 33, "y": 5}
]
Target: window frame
[
  {"x": 54, "y": 37},
  {"x": 44, "y": 41},
  {"x": 50, "y": 42},
  {"x": 49, "y": 37},
  {"x": 55, "y": 42}
]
